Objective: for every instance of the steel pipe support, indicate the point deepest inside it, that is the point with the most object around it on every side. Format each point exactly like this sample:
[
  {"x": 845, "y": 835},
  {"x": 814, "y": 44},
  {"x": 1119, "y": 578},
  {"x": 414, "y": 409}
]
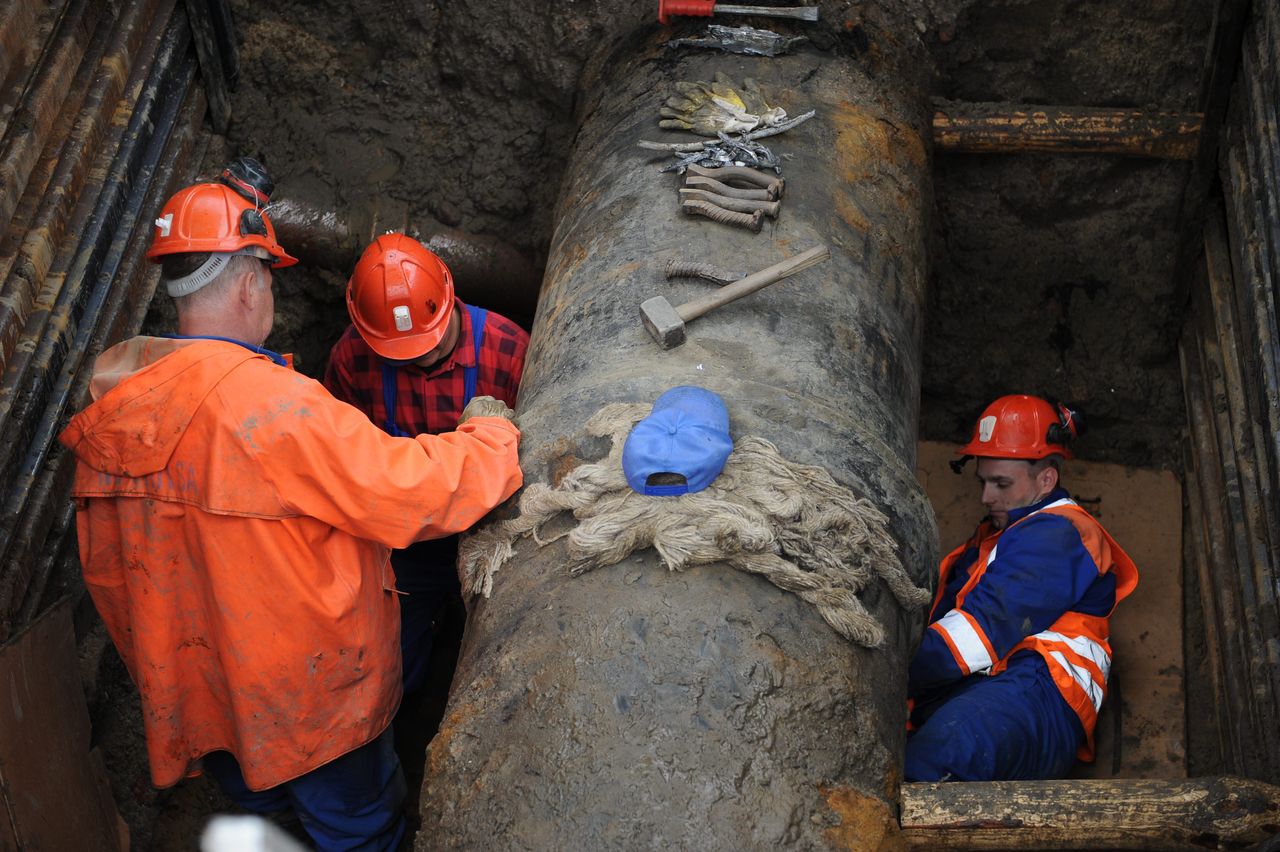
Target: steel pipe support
[
  {"x": 633, "y": 707},
  {"x": 487, "y": 271}
]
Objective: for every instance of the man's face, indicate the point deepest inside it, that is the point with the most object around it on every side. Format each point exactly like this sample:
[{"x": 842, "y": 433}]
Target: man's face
[{"x": 1010, "y": 484}]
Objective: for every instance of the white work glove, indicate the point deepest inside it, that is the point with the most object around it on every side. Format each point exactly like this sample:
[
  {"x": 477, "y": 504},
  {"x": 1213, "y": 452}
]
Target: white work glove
[
  {"x": 486, "y": 406},
  {"x": 719, "y": 107}
]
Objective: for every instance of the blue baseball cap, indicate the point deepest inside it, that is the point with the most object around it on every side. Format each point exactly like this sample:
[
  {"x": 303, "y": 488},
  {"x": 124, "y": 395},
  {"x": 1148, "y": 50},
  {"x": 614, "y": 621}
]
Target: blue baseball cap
[{"x": 687, "y": 434}]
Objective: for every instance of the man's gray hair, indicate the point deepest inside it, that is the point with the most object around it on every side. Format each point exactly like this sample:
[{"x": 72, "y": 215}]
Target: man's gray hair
[{"x": 216, "y": 287}]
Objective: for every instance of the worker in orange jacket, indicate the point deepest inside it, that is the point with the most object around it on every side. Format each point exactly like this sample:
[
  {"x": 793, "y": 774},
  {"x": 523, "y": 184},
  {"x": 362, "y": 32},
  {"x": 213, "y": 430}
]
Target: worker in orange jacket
[
  {"x": 235, "y": 522},
  {"x": 1012, "y": 671}
]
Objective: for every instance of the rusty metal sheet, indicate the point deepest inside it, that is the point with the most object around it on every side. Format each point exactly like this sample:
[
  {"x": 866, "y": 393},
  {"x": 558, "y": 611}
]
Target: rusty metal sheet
[{"x": 51, "y": 793}]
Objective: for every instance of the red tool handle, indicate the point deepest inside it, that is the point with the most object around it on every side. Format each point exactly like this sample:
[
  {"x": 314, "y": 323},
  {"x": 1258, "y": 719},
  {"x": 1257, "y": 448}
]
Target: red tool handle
[{"x": 700, "y": 8}]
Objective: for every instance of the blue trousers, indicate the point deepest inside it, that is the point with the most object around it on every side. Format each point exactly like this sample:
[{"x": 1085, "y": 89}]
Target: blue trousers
[
  {"x": 1015, "y": 726},
  {"x": 351, "y": 803},
  {"x": 426, "y": 572}
]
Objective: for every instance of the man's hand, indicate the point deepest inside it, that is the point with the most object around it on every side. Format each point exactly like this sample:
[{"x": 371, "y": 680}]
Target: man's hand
[{"x": 486, "y": 406}]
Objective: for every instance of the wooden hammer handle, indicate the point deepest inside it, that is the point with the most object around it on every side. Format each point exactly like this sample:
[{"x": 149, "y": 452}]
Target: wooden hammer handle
[{"x": 753, "y": 282}]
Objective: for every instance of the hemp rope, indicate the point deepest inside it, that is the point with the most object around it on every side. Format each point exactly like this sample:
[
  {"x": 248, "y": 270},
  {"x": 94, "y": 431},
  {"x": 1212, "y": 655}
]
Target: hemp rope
[{"x": 790, "y": 523}]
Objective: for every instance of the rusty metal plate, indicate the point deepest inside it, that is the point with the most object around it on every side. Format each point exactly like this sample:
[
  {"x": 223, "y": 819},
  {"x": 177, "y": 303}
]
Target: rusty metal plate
[{"x": 52, "y": 794}]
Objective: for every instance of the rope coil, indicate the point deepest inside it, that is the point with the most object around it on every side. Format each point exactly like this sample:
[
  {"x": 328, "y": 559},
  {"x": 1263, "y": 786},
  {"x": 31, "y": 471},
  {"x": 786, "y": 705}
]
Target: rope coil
[{"x": 792, "y": 524}]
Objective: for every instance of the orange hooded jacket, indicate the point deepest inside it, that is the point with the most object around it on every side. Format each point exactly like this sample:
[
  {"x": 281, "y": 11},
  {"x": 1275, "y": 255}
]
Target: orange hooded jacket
[{"x": 234, "y": 524}]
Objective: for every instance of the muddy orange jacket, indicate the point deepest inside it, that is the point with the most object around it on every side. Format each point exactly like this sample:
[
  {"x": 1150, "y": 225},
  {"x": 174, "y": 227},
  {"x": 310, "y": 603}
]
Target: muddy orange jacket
[{"x": 234, "y": 524}]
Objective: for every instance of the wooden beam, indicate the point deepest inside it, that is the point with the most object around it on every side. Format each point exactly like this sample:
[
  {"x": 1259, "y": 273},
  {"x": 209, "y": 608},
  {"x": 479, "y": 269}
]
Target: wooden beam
[
  {"x": 995, "y": 128},
  {"x": 1198, "y": 813},
  {"x": 1221, "y": 65}
]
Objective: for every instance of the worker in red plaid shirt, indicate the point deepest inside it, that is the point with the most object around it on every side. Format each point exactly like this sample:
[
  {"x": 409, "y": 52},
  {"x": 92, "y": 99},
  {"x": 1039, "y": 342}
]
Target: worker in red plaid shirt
[{"x": 412, "y": 358}]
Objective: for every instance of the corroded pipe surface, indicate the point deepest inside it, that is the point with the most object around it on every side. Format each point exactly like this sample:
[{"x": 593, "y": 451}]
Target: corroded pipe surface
[
  {"x": 487, "y": 271},
  {"x": 631, "y": 707}
]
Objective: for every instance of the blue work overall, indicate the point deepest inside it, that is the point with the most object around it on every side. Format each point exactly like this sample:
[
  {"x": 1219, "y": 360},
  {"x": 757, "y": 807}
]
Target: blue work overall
[{"x": 426, "y": 571}]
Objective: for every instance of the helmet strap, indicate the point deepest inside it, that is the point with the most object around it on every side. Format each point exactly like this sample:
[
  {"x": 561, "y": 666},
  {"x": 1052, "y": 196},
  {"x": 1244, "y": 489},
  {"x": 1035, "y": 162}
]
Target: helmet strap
[{"x": 207, "y": 271}]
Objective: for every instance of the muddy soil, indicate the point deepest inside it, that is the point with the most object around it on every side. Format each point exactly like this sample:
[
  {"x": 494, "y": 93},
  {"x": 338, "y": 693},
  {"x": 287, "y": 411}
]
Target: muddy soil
[
  {"x": 1054, "y": 274},
  {"x": 1051, "y": 274}
]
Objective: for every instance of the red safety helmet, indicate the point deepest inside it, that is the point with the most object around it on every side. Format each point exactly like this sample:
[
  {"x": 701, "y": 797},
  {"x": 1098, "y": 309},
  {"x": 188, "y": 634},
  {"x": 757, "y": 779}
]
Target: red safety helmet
[
  {"x": 212, "y": 217},
  {"x": 400, "y": 298},
  {"x": 1022, "y": 427}
]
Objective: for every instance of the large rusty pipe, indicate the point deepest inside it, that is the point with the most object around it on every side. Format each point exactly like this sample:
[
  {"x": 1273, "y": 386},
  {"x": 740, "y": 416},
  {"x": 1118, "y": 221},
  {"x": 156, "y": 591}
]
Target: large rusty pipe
[
  {"x": 633, "y": 707},
  {"x": 487, "y": 271}
]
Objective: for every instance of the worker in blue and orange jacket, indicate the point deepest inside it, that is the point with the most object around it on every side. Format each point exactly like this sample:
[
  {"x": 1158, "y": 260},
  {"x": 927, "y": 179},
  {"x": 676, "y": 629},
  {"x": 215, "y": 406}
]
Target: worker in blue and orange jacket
[
  {"x": 1012, "y": 671},
  {"x": 235, "y": 522}
]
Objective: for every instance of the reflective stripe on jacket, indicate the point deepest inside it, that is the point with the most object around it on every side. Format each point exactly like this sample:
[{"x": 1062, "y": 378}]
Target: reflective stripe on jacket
[
  {"x": 234, "y": 524},
  {"x": 1048, "y": 583}
]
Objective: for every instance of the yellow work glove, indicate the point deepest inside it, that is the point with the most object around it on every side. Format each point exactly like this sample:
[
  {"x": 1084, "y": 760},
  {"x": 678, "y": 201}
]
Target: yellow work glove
[
  {"x": 486, "y": 406},
  {"x": 719, "y": 107}
]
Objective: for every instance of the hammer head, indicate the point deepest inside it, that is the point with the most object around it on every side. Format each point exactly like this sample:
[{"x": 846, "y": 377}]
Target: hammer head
[{"x": 663, "y": 322}]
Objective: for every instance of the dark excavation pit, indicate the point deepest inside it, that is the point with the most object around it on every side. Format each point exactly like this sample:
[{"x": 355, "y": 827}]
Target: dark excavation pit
[{"x": 1050, "y": 274}]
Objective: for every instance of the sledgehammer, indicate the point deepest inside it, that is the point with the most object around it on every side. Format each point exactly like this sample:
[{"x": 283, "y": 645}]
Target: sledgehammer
[{"x": 666, "y": 323}]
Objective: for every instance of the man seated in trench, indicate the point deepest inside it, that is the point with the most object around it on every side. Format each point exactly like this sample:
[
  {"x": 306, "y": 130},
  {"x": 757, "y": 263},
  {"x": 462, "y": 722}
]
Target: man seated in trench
[
  {"x": 1012, "y": 671},
  {"x": 413, "y": 357}
]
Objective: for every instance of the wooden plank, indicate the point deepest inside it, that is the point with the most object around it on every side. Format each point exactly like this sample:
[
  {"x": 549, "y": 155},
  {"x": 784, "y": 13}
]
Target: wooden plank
[
  {"x": 1142, "y": 732},
  {"x": 1200, "y": 813},
  {"x": 53, "y": 796},
  {"x": 1221, "y": 62},
  {"x": 1248, "y": 441},
  {"x": 1143, "y": 725},
  {"x": 1214, "y": 717},
  {"x": 1208, "y": 505},
  {"x": 1001, "y": 128}
]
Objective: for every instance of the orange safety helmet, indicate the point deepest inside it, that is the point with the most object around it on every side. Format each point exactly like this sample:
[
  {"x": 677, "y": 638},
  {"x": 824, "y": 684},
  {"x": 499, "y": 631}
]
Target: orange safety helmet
[
  {"x": 1022, "y": 427},
  {"x": 213, "y": 217},
  {"x": 400, "y": 297}
]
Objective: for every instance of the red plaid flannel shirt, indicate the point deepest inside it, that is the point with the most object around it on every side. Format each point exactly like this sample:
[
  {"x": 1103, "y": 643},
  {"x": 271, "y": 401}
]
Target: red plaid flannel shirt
[{"x": 430, "y": 402}]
